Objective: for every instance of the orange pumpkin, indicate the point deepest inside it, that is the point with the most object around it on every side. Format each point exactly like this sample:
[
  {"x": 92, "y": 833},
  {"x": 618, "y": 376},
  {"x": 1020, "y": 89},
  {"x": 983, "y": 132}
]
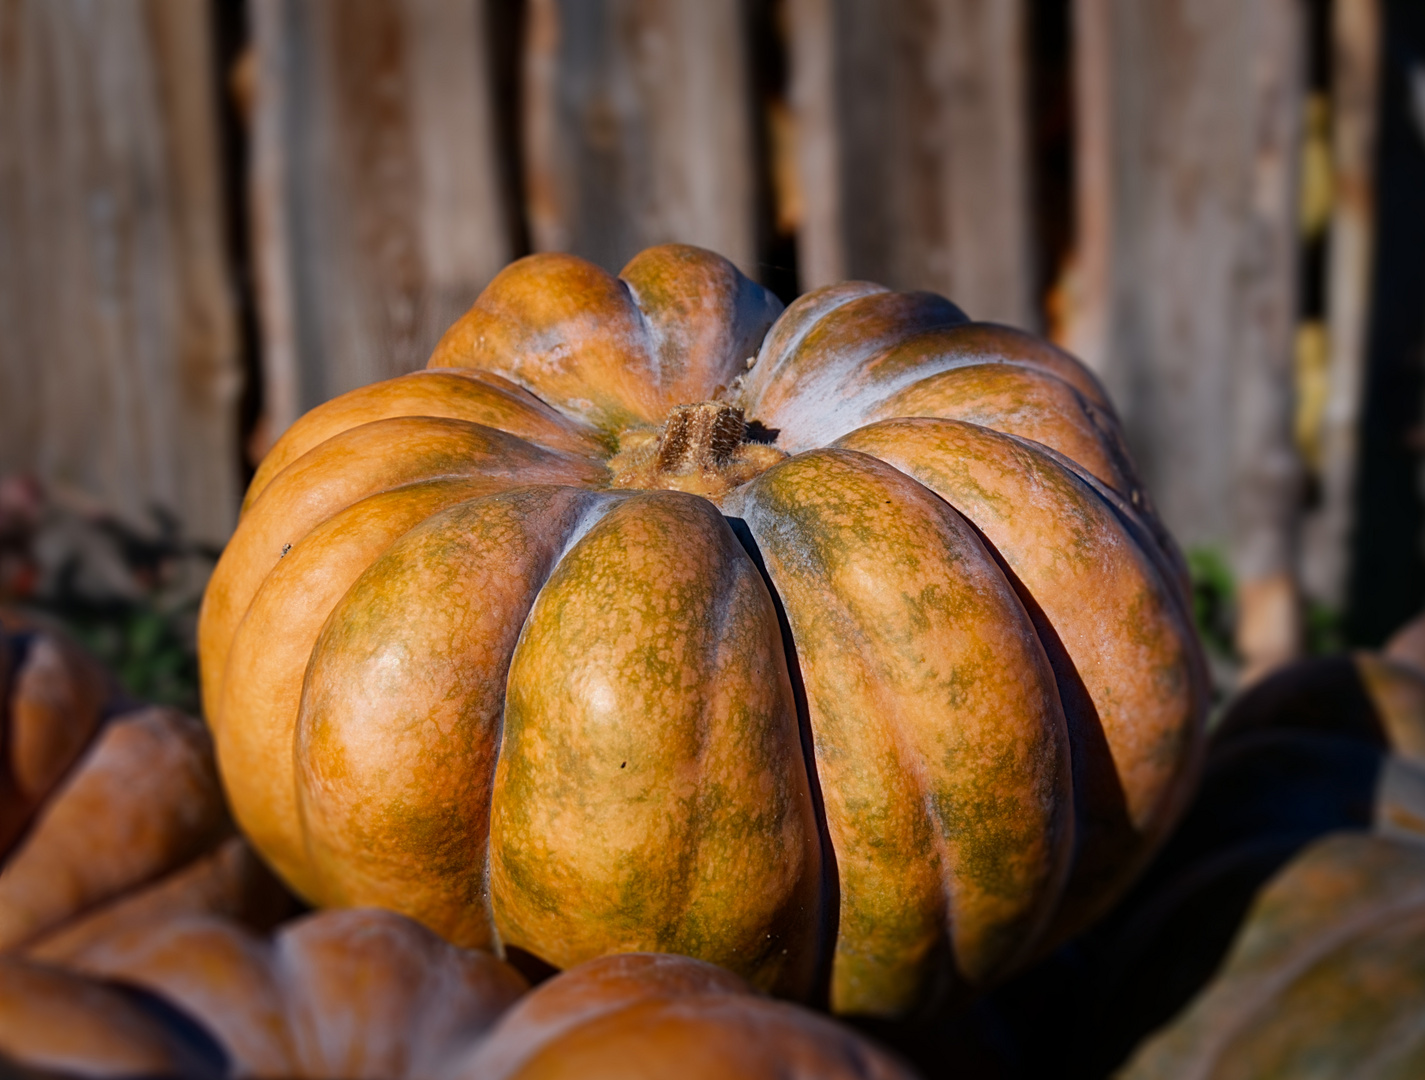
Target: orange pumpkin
[
  {"x": 111, "y": 820},
  {"x": 52, "y": 699},
  {"x": 644, "y": 1016},
  {"x": 837, "y": 646},
  {"x": 369, "y": 995},
  {"x": 342, "y": 995}
]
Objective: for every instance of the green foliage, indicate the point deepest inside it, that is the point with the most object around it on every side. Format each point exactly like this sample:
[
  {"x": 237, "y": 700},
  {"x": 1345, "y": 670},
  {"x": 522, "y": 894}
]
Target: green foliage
[
  {"x": 127, "y": 590},
  {"x": 149, "y": 648},
  {"x": 1214, "y": 599},
  {"x": 1325, "y": 630}
]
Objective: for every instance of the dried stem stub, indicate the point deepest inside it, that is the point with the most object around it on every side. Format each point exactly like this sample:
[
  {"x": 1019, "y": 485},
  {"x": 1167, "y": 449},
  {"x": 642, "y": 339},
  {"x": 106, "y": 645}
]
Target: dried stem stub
[{"x": 701, "y": 448}]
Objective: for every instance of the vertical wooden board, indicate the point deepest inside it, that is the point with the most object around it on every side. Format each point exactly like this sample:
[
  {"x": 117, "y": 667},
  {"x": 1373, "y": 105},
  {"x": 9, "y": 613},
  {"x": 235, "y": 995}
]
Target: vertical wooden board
[
  {"x": 912, "y": 129},
  {"x": 1267, "y": 469},
  {"x": 1355, "y": 78},
  {"x": 1188, "y": 311},
  {"x": 377, "y": 203},
  {"x": 118, "y": 371},
  {"x": 638, "y": 128},
  {"x": 1090, "y": 293}
]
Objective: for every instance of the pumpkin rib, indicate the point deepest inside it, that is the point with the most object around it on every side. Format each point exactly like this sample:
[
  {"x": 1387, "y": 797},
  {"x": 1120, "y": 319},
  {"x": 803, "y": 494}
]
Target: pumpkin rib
[
  {"x": 682, "y": 294},
  {"x": 450, "y": 598},
  {"x": 826, "y": 369},
  {"x": 599, "y": 858},
  {"x": 785, "y": 338},
  {"x": 1016, "y": 399},
  {"x": 575, "y": 335},
  {"x": 440, "y": 393},
  {"x": 1141, "y": 519},
  {"x": 352, "y": 465},
  {"x": 1013, "y": 345},
  {"x": 803, "y": 514},
  {"x": 1120, "y": 623},
  {"x": 559, "y": 326},
  {"x": 255, "y": 718}
]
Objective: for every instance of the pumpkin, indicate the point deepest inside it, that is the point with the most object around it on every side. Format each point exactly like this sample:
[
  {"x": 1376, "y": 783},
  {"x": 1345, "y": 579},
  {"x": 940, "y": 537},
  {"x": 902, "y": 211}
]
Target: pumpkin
[
  {"x": 643, "y": 1015},
  {"x": 837, "y": 646},
  {"x": 113, "y": 819},
  {"x": 65, "y": 1024},
  {"x": 52, "y": 699},
  {"x": 370, "y": 995},
  {"x": 1326, "y": 978},
  {"x": 341, "y": 995}
]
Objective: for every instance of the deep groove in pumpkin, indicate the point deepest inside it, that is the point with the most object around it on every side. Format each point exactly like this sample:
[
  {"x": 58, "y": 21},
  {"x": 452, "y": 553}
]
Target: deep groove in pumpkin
[{"x": 830, "y": 892}]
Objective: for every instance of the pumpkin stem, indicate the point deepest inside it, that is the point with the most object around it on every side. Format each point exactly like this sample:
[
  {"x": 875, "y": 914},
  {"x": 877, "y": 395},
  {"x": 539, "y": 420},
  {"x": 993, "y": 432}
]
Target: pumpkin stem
[
  {"x": 701, "y": 436},
  {"x": 699, "y": 449}
]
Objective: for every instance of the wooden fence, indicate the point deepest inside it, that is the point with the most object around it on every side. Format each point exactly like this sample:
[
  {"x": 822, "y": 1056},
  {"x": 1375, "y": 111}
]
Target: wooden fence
[{"x": 393, "y": 154}]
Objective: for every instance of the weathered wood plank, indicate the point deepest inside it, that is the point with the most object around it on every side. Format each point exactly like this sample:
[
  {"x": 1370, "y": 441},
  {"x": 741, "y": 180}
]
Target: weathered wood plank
[
  {"x": 118, "y": 370},
  {"x": 638, "y": 128},
  {"x": 1188, "y": 249},
  {"x": 1355, "y": 78},
  {"x": 378, "y": 209},
  {"x": 912, "y": 126}
]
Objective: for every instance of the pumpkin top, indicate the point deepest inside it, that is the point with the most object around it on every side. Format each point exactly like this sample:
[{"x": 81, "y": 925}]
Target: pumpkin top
[{"x": 676, "y": 326}]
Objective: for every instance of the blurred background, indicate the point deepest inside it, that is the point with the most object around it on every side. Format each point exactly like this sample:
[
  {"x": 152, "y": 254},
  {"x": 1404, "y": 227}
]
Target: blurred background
[{"x": 215, "y": 214}]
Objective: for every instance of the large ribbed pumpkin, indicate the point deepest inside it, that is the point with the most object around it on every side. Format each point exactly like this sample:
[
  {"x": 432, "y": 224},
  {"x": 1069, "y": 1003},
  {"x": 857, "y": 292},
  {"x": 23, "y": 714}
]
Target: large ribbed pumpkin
[{"x": 837, "y": 646}]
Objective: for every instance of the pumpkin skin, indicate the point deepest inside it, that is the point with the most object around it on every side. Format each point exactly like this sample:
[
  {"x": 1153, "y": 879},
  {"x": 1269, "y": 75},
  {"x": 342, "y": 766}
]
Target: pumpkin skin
[
  {"x": 1324, "y": 980},
  {"x": 53, "y": 697},
  {"x": 119, "y": 818},
  {"x": 805, "y": 717},
  {"x": 647, "y": 1015},
  {"x": 341, "y": 995},
  {"x": 68, "y": 1025},
  {"x": 370, "y": 995}
]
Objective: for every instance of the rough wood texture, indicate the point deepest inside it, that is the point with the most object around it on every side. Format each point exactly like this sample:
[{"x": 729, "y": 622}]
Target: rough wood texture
[
  {"x": 912, "y": 129},
  {"x": 117, "y": 342},
  {"x": 1188, "y": 134},
  {"x": 1355, "y": 44},
  {"x": 376, "y": 191},
  {"x": 638, "y": 128}
]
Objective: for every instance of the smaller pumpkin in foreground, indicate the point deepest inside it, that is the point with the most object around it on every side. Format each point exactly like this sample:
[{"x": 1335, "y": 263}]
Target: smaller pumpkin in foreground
[{"x": 370, "y": 995}]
